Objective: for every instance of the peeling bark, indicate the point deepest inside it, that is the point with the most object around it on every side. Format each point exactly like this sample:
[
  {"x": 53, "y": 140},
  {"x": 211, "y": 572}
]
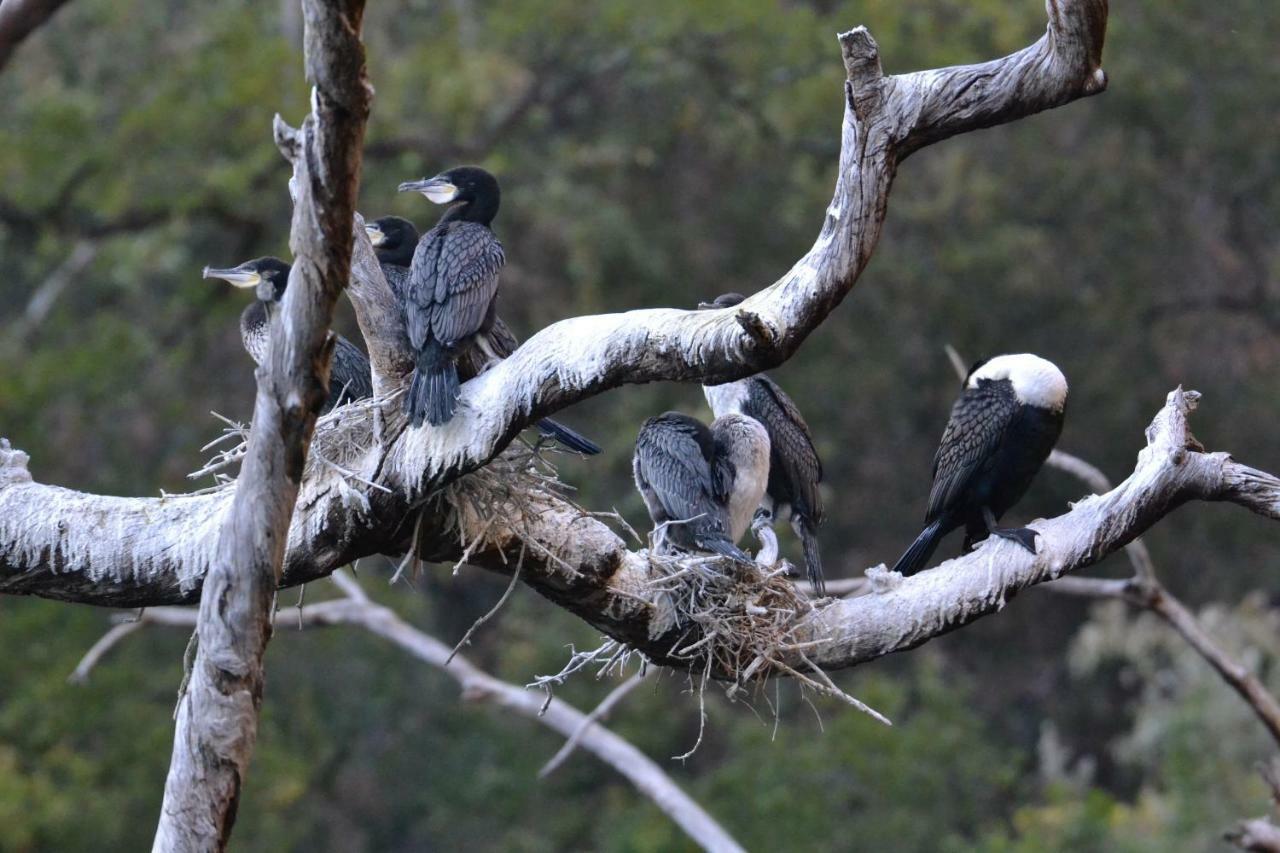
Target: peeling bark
[
  {"x": 369, "y": 478},
  {"x": 217, "y": 715}
]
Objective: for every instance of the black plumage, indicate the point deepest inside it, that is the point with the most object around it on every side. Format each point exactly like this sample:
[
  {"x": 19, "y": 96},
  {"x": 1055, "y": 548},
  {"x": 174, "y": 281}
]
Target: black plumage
[
  {"x": 349, "y": 376},
  {"x": 795, "y": 470},
  {"x": 1003, "y": 426},
  {"x": 451, "y": 291},
  {"x": 394, "y": 240},
  {"x": 685, "y": 483}
]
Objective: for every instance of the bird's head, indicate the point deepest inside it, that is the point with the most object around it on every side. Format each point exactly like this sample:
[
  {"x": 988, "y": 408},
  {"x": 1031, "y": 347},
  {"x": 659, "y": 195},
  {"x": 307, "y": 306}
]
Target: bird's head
[
  {"x": 269, "y": 275},
  {"x": 1035, "y": 381},
  {"x": 724, "y": 300},
  {"x": 393, "y": 239},
  {"x": 471, "y": 193}
]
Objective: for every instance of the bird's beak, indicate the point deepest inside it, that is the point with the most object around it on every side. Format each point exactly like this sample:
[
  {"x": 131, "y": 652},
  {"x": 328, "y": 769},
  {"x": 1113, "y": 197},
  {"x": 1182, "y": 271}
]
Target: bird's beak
[
  {"x": 376, "y": 237},
  {"x": 437, "y": 190},
  {"x": 236, "y": 276}
]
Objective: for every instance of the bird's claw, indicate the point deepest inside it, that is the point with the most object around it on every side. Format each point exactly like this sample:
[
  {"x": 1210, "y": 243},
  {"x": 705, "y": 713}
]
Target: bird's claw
[{"x": 1024, "y": 536}]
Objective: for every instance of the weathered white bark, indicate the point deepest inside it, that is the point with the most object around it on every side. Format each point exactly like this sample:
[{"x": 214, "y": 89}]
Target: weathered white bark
[
  {"x": 582, "y": 730},
  {"x": 47, "y": 549},
  {"x": 1145, "y": 590},
  {"x": 217, "y": 715},
  {"x": 51, "y": 552}
]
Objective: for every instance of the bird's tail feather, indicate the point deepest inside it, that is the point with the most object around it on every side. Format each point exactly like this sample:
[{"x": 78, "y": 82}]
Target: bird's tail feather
[
  {"x": 571, "y": 439},
  {"x": 921, "y": 550},
  {"x": 812, "y": 557},
  {"x": 434, "y": 390},
  {"x": 719, "y": 544}
]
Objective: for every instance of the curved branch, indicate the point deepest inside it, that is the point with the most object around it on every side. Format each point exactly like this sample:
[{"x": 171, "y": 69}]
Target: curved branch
[
  {"x": 885, "y": 119},
  {"x": 576, "y": 560},
  {"x": 584, "y": 730}
]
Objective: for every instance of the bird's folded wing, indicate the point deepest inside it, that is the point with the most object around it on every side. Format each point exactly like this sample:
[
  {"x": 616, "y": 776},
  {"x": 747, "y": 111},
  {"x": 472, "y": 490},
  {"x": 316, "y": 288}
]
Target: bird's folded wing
[
  {"x": 670, "y": 459},
  {"x": 466, "y": 281},
  {"x": 792, "y": 449},
  {"x": 978, "y": 422}
]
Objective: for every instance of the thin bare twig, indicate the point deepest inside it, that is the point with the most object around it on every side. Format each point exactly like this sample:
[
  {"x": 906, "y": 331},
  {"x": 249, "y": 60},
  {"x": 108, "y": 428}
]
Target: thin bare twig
[{"x": 599, "y": 713}]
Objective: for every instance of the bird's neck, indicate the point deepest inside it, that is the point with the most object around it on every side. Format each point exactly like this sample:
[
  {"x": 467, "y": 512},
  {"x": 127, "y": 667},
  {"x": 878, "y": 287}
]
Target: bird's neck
[{"x": 480, "y": 211}]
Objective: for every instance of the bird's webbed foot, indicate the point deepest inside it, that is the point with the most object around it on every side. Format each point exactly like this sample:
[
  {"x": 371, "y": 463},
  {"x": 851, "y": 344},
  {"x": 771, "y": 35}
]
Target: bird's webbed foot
[{"x": 1024, "y": 536}]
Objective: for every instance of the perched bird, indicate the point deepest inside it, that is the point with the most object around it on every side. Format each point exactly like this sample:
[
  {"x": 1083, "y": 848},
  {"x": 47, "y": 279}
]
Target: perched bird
[
  {"x": 1002, "y": 428},
  {"x": 394, "y": 241},
  {"x": 452, "y": 287},
  {"x": 703, "y": 484},
  {"x": 349, "y": 377},
  {"x": 795, "y": 471}
]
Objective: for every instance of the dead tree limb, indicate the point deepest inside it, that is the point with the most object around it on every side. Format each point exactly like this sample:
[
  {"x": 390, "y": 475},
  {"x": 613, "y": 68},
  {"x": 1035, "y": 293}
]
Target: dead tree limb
[
  {"x": 217, "y": 714},
  {"x": 358, "y": 611},
  {"x": 71, "y": 546},
  {"x": 133, "y": 552}
]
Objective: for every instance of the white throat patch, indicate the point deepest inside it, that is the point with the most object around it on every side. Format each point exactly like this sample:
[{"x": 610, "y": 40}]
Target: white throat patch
[
  {"x": 441, "y": 195},
  {"x": 1036, "y": 381},
  {"x": 726, "y": 399}
]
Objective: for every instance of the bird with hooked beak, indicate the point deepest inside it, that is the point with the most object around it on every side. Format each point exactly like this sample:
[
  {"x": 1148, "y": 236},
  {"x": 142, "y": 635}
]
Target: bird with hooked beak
[
  {"x": 349, "y": 377},
  {"x": 1003, "y": 426},
  {"x": 795, "y": 471},
  {"x": 450, "y": 294},
  {"x": 394, "y": 240}
]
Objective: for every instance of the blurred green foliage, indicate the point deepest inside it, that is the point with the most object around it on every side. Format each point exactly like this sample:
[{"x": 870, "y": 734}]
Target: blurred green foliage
[{"x": 656, "y": 154}]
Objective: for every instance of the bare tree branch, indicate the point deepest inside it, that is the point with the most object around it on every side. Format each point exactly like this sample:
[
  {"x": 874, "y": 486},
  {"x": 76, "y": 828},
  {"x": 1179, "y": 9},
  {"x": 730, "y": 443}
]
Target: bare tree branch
[
  {"x": 65, "y": 545},
  {"x": 217, "y": 715},
  {"x": 19, "y": 19},
  {"x": 1144, "y": 590},
  {"x": 600, "y": 712},
  {"x": 357, "y": 610}
]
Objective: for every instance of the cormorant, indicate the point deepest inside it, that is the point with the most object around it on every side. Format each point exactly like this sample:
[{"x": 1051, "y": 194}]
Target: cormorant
[
  {"x": 349, "y": 377},
  {"x": 1002, "y": 428},
  {"x": 452, "y": 287},
  {"x": 702, "y": 484},
  {"x": 795, "y": 470},
  {"x": 394, "y": 241}
]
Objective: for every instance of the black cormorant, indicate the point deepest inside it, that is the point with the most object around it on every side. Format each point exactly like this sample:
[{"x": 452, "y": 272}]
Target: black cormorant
[
  {"x": 349, "y": 377},
  {"x": 394, "y": 241},
  {"x": 795, "y": 471},
  {"x": 452, "y": 288},
  {"x": 700, "y": 485},
  {"x": 1002, "y": 428}
]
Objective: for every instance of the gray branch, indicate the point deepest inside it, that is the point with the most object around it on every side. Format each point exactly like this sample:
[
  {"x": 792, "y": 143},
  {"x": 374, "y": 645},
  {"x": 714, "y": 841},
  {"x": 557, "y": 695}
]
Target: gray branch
[
  {"x": 582, "y": 730},
  {"x": 217, "y": 714},
  {"x": 66, "y": 545}
]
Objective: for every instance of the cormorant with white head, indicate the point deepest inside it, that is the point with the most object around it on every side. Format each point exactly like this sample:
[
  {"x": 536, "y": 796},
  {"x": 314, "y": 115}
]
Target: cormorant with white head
[
  {"x": 701, "y": 486},
  {"x": 349, "y": 377},
  {"x": 452, "y": 287},
  {"x": 795, "y": 471},
  {"x": 1003, "y": 426}
]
